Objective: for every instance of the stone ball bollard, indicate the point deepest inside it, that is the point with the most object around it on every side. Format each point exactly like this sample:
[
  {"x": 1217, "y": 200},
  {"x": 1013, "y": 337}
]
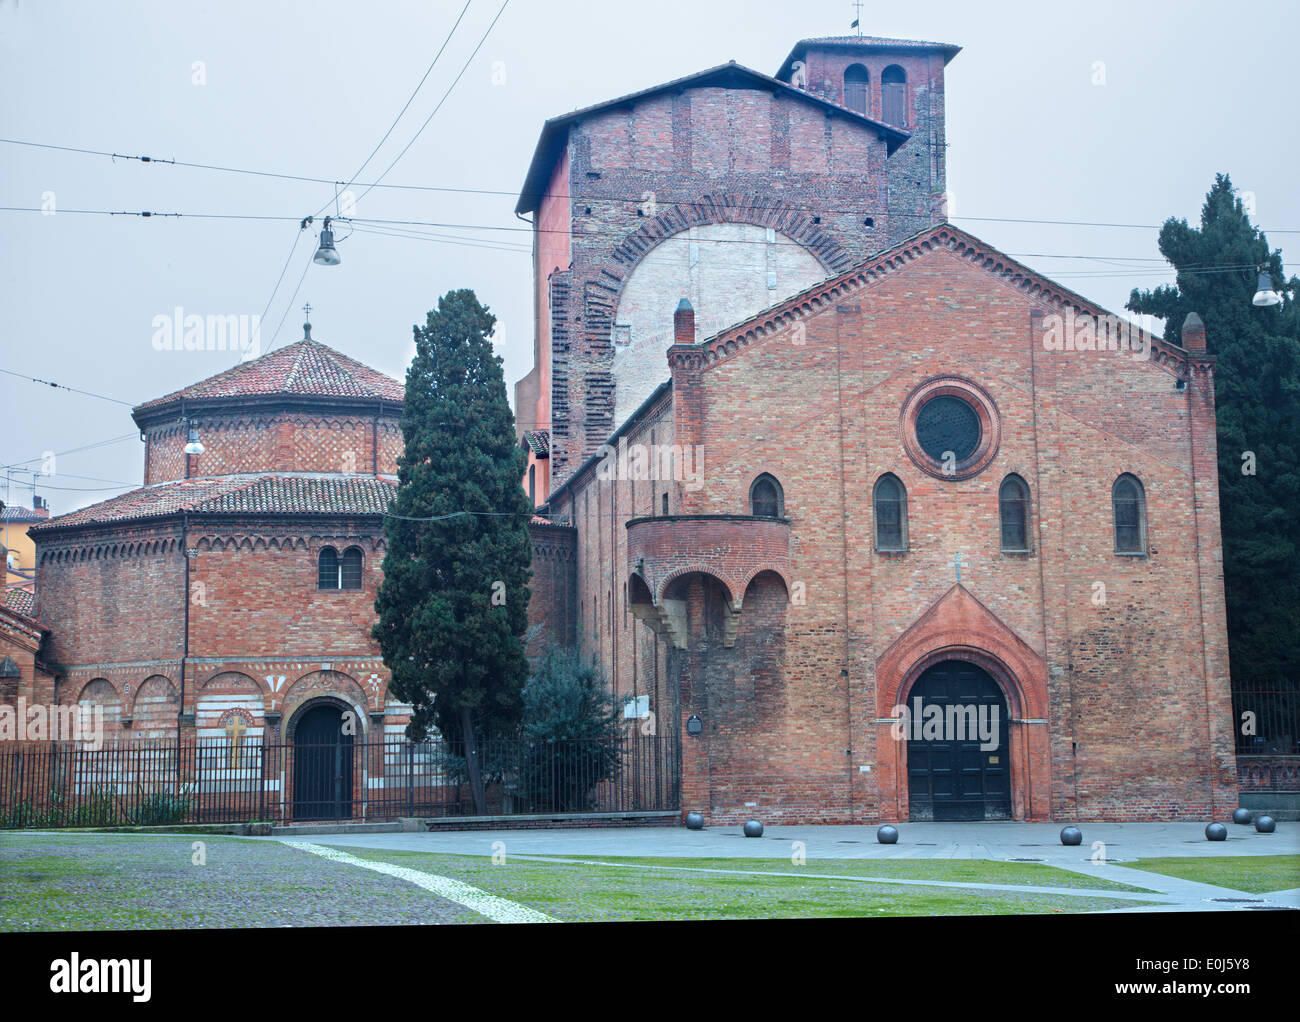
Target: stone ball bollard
[
  {"x": 1265, "y": 825},
  {"x": 887, "y": 835},
  {"x": 1242, "y": 816},
  {"x": 753, "y": 829},
  {"x": 1071, "y": 836},
  {"x": 1216, "y": 832},
  {"x": 694, "y": 821}
]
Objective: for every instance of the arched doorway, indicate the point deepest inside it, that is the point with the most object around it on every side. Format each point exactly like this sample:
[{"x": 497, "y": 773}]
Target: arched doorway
[
  {"x": 958, "y": 767},
  {"x": 322, "y": 764}
]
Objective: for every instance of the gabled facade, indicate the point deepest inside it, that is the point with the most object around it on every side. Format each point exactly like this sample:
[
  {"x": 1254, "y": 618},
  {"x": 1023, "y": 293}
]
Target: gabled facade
[
  {"x": 729, "y": 187},
  {"x": 904, "y": 484}
]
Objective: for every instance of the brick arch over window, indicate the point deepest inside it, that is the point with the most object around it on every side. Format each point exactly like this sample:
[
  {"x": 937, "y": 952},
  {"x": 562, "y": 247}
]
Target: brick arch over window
[
  {"x": 731, "y": 208},
  {"x": 959, "y": 627},
  {"x": 342, "y": 688},
  {"x": 342, "y": 705}
]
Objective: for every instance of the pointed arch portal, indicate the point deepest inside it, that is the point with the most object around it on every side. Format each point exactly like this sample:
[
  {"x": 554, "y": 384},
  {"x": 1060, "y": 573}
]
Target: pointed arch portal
[{"x": 959, "y": 653}]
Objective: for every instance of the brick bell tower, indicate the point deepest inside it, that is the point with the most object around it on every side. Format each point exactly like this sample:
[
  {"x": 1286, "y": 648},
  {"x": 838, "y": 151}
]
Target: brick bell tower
[{"x": 730, "y": 187}]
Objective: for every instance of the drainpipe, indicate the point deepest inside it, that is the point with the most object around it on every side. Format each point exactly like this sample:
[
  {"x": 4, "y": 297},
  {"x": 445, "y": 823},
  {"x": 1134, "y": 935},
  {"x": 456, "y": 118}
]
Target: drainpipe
[{"x": 185, "y": 642}]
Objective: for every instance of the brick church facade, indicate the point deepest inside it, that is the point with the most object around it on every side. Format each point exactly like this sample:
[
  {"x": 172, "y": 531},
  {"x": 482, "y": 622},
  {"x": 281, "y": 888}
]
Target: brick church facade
[
  {"x": 802, "y": 453},
  {"x": 812, "y": 454}
]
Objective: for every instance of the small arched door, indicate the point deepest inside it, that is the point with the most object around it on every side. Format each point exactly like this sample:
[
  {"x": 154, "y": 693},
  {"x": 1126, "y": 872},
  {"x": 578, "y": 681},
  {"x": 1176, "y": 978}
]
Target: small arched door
[
  {"x": 322, "y": 765},
  {"x": 957, "y": 762}
]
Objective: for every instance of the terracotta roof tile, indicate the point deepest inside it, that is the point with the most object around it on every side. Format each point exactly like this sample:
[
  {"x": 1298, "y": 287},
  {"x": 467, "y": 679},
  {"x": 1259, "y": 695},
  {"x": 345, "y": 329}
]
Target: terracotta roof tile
[
  {"x": 306, "y": 367},
  {"x": 16, "y": 515},
  {"x": 21, "y": 601},
  {"x": 248, "y": 494},
  {"x": 539, "y": 442}
]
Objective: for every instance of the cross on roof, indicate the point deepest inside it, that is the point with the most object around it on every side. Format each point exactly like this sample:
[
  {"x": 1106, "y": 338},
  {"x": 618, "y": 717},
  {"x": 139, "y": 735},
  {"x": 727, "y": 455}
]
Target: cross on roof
[
  {"x": 306, "y": 311},
  {"x": 857, "y": 22}
]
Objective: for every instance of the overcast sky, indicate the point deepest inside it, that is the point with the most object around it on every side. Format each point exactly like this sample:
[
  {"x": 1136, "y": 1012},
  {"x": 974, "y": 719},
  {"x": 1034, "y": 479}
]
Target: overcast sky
[{"x": 1100, "y": 112}]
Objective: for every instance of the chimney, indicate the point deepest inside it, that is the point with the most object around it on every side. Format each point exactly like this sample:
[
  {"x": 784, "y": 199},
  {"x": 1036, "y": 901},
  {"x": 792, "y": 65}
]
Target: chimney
[
  {"x": 40, "y": 507},
  {"x": 684, "y": 323},
  {"x": 1193, "y": 333}
]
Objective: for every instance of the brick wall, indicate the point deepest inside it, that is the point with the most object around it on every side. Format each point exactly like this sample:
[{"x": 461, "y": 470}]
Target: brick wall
[
  {"x": 707, "y": 156},
  {"x": 272, "y": 441},
  {"x": 1117, "y": 663}
]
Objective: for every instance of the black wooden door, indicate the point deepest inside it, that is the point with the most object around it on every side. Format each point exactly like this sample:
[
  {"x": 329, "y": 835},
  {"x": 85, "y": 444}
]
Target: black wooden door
[
  {"x": 322, "y": 766},
  {"x": 950, "y": 776}
]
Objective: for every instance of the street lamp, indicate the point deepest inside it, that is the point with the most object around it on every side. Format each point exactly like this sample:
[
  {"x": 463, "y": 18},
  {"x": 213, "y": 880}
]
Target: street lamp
[
  {"x": 1265, "y": 296},
  {"x": 192, "y": 443},
  {"x": 327, "y": 254}
]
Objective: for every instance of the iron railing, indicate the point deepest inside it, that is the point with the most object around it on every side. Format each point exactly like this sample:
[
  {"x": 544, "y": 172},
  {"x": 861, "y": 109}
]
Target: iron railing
[
  {"x": 220, "y": 780},
  {"x": 1267, "y": 719}
]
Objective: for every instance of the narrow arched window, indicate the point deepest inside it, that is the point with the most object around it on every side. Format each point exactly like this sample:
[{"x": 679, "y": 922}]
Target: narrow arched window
[
  {"x": 1129, "y": 503},
  {"x": 532, "y": 484},
  {"x": 893, "y": 95},
  {"x": 327, "y": 576},
  {"x": 890, "y": 503},
  {"x": 350, "y": 568},
  {"x": 765, "y": 497},
  {"x": 856, "y": 85},
  {"x": 1013, "y": 509}
]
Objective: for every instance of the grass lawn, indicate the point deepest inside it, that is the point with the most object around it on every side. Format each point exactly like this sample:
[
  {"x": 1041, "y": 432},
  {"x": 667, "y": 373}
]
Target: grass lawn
[
  {"x": 65, "y": 881},
  {"x": 1257, "y": 874},
  {"x": 978, "y": 871},
  {"x": 621, "y": 891}
]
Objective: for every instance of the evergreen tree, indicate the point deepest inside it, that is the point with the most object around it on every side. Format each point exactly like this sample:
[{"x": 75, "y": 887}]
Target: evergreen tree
[
  {"x": 572, "y": 728},
  {"x": 453, "y": 604},
  {"x": 1257, "y": 394}
]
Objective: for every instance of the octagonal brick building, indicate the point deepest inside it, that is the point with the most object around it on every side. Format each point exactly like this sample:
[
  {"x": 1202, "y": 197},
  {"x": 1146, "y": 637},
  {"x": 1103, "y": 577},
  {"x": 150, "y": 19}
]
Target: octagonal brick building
[{"x": 233, "y": 593}]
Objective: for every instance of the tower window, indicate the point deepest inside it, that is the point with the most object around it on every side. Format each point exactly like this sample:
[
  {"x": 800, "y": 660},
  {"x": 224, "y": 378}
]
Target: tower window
[
  {"x": 893, "y": 95},
  {"x": 856, "y": 88}
]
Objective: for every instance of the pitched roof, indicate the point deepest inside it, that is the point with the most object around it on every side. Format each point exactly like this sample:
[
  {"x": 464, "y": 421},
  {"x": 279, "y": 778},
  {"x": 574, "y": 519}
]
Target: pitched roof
[
  {"x": 942, "y": 236},
  {"x": 730, "y": 75},
  {"x": 16, "y": 515},
  {"x": 21, "y": 601},
  {"x": 865, "y": 42},
  {"x": 305, "y": 368},
  {"x": 263, "y": 493}
]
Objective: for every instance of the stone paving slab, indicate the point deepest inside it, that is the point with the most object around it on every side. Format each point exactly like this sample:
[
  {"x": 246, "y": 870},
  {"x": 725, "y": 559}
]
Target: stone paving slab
[{"x": 1008, "y": 841}]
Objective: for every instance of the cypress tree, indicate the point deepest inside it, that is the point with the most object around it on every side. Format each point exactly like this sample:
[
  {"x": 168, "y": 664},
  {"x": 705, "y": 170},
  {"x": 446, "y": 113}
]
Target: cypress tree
[
  {"x": 1257, "y": 394},
  {"x": 453, "y": 604}
]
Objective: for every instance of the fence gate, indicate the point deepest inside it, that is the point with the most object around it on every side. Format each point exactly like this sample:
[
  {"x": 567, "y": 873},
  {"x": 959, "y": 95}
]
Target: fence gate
[{"x": 322, "y": 766}]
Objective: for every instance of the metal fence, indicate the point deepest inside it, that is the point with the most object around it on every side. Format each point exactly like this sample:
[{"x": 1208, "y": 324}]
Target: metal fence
[
  {"x": 1267, "y": 719},
  {"x": 161, "y": 781}
]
